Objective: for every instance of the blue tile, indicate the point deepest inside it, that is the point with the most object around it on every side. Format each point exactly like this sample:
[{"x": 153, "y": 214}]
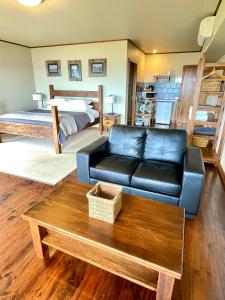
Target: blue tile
[
  {"x": 160, "y": 84},
  {"x": 159, "y": 96}
]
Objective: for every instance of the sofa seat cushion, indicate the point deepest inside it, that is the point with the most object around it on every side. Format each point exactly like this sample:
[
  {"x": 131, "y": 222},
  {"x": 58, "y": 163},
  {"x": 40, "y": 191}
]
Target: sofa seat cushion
[
  {"x": 157, "y": 176},
  {"x": 114, "y": 168}
]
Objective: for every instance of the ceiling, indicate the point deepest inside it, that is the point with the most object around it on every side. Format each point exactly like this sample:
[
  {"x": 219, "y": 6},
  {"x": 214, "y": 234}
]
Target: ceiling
[{"x": 168, "y": 26}]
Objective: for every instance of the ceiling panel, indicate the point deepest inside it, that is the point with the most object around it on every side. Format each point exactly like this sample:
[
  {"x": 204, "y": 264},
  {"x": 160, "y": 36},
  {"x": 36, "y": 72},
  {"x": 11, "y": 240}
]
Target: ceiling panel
[{"x": 163, "y": 25}]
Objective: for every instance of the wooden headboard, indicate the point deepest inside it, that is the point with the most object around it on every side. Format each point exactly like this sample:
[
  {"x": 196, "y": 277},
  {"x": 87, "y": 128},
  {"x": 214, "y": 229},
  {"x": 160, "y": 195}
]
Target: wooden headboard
[{"x": 84, "y": 94}]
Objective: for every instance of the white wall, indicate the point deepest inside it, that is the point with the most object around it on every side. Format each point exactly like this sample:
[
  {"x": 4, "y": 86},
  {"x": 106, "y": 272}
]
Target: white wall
[
  {"x": 113, "y": 83},
  {"x": 137, "y": 56},
  {"x": 223, "y": 153},
  {"x": 162, "y": 63},
  {"x": 220, "y": 17},
  {"x": 16, "y": 78},
  {"x": 117, "y": 54},
  {"x": 222, "y": 59}
]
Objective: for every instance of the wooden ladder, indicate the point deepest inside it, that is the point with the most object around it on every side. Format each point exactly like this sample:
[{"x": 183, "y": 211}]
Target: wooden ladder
[{"x": 209, "y": 154}]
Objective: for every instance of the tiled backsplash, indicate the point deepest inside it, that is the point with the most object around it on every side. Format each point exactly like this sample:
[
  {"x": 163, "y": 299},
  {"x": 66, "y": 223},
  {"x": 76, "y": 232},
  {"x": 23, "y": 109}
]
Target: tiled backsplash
[{"x": 164, "y": 90}]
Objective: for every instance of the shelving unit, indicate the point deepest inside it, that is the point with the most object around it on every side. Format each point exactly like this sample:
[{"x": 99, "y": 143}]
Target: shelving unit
[
  {"x": 142, "y": 115},
  {"x": 148, "y": 101},
  {"x": 163, "y": 78},
  {"x": 209, "y": 153}
]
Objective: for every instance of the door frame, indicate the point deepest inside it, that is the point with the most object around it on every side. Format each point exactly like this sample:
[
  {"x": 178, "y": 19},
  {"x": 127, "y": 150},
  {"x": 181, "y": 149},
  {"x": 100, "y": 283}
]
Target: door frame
[
  {"x": 181, "y": 92},
  {"x": 133, "y": 104}
]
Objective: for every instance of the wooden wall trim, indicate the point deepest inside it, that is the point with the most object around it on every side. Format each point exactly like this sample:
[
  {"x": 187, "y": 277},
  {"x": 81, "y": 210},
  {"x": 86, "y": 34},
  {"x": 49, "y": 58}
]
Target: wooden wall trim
[
  {"x": 81, "y": 43},
  {"x": 15, "y": 44},
  {"x": 96, "y": 42},
  {"x": 135, "y": 45},
  {"x": 221, "y": 173},
  {"x": 175, "y": 52},
  {"x": 217, "y": 7}
]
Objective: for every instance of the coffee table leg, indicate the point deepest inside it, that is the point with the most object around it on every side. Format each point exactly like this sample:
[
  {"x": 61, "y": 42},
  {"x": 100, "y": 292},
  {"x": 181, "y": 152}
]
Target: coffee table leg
[
  {"x": 38, "y": 233},
  {"x": 164, "y": 287}
]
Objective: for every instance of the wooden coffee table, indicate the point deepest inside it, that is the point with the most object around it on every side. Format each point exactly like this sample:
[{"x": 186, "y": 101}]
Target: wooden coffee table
[{"x": 144, "y": 245}]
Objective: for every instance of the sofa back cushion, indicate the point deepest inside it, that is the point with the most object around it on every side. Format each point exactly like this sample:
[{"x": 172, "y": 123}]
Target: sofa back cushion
[
  {"x": 165, "y": 145},
  {"x": 126, "y": 140}
]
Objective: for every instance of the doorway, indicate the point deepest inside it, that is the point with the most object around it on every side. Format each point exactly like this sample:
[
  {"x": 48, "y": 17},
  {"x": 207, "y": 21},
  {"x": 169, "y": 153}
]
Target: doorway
[
  {"x": 189, "y": 77},
  {"x": 132, "y": 82}
]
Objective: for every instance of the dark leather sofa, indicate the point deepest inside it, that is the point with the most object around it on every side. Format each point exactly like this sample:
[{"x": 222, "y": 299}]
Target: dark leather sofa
[{"x": 152, "y": 163}]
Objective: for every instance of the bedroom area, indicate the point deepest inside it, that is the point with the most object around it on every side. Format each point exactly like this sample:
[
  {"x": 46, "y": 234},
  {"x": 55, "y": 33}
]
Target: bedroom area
[
  {"x": 112, "y": 150},
  {"x": 52, "y": 115}
]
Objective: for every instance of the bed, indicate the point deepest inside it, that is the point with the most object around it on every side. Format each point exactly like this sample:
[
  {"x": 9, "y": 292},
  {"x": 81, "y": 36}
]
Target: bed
[{"x": 55, "y": 124}]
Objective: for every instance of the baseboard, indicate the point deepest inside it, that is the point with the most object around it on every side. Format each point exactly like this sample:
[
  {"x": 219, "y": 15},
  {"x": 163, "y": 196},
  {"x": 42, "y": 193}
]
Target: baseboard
[{"x": 221, "y": 173}]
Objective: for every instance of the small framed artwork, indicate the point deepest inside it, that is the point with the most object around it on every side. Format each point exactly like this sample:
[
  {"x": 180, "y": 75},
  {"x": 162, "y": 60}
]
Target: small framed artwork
[
  {"x": 97, "y": 67},
  {"x": 53, "y": 67},
  {"x": 74, "y": 69}
]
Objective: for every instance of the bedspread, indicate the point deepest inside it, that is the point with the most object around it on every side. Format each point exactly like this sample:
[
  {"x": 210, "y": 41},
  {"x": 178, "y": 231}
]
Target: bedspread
[{"x": 69, "y": 122}]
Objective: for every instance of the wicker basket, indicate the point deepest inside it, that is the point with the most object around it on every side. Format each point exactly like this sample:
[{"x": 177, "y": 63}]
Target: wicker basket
[
  {"x": 200, "y": 142},
  {"x": 210, "y": 86},
  {"x": 105, "y": 201}
]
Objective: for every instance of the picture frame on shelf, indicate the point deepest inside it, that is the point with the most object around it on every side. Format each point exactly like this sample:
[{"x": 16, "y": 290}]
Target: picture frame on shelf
[
  {"x": 97, "y": 67},
  {"x": 53, "y": 67},
  {"x": 75, "y": 70}
]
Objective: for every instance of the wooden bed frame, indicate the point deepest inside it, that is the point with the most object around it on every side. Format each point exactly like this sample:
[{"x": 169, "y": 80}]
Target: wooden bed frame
[{"x": 44, "y": 131}]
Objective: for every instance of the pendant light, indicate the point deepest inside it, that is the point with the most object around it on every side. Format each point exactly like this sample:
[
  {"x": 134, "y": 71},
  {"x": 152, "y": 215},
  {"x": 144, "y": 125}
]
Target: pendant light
[{"x": 30, "y": 2}]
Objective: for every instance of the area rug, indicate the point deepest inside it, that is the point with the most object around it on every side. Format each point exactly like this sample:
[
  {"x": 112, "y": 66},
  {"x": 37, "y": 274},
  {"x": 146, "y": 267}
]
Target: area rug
[{"x": 35, "y": 159}]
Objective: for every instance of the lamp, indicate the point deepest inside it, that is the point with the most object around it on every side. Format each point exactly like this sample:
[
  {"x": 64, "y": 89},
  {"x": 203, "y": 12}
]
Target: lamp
[
  {"x": 38, "y": 97},
  {"x": 30, "y": 2},
  {"x": 111, "y": 99}
]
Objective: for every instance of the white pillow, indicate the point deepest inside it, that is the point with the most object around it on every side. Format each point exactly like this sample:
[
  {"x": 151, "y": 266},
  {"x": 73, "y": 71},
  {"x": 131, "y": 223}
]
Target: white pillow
[
  {"x": 76, "y": 105},
  {"x": 87, "y": 101},
  {"x": 57, "y": 102},
  {"x": 73, "y": 105}
]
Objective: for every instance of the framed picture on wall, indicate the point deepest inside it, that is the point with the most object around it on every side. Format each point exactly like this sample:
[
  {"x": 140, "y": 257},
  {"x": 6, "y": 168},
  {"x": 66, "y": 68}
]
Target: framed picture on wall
[
  {"x": 74, "y": 70},
  {"x": 53, "y": 67},
  {"x": 97, "y": 67}
]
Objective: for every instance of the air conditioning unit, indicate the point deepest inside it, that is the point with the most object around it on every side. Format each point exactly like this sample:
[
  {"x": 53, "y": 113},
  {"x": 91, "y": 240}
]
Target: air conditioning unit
[{"x": 206, "y": 30}]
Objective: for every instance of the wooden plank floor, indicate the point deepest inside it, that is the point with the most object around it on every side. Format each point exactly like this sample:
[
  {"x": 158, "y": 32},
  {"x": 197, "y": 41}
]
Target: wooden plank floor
[{"x": 24, "y": 276}]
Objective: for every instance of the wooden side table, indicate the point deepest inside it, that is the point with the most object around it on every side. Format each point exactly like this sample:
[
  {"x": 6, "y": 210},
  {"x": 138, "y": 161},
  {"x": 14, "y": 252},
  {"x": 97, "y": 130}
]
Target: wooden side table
[{"x": 109, "y": 120}]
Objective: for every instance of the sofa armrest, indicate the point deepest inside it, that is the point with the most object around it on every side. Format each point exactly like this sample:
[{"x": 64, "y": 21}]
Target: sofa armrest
[
  {"x": 87, "y": 155},
  {"x": 193, "y": 179}
]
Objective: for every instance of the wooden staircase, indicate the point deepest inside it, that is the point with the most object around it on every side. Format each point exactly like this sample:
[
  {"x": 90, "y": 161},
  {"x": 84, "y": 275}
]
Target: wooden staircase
[{"x": 208, "y": 72}]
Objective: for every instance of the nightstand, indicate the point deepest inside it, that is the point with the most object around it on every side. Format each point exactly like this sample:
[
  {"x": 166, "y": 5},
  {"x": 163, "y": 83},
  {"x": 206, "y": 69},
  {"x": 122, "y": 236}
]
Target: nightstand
[{"x": 109, "y": 120}]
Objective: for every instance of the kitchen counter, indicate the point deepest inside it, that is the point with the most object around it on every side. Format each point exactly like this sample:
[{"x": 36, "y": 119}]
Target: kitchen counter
[{"x": 166, "y": 100}]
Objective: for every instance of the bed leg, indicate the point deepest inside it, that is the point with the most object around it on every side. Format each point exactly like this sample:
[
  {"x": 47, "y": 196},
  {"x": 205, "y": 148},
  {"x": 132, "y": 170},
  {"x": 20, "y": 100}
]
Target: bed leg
[
  {"x": 1, "y": 138},
  {"x": 55, "y": 122},
  {"x": 58, "y": 148}
]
